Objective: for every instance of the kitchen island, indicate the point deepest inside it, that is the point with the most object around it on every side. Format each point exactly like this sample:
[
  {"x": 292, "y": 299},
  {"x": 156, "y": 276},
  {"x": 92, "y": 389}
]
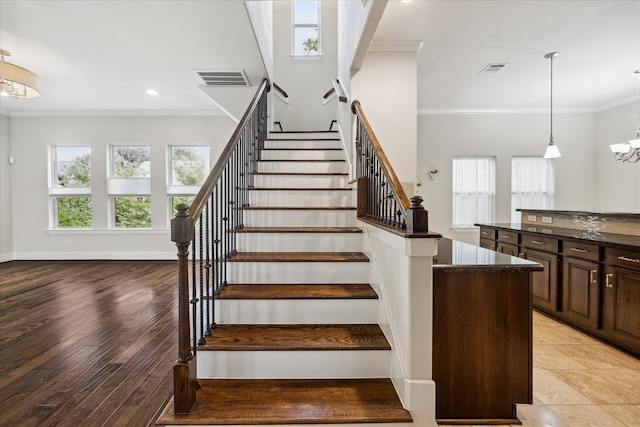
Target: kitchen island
[{"x": 482, "y": 339}]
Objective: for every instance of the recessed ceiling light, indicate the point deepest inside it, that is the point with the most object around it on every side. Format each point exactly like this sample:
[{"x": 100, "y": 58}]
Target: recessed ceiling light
[
  {"x": 151, "y": 92},
  {"x": 407, "y": 1}
]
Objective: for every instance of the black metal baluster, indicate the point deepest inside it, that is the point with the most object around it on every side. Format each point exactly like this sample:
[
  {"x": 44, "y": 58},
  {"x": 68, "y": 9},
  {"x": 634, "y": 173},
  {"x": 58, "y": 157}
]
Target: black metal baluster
[
  {"x": 194, "y": 296},
  {"x": 207, "y": 266},
  {"x": 201, "y": 341}
]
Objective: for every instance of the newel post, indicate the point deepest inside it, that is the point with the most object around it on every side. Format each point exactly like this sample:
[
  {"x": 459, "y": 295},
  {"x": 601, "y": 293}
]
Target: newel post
[
  {"x": 417, "y": 216},
  {"x": 184, "y": 371}
]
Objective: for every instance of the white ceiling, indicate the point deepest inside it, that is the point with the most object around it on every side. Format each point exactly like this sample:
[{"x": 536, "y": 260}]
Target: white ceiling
[
  {"x": 598, "y": 44},
  {"x": 101, "y": 56}
]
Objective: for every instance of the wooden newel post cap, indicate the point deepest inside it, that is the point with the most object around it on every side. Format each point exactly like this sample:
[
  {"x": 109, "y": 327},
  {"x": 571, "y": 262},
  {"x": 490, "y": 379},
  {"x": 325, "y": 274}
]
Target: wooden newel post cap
[
  {"x": 417, "y": 216},
  {"x": 416, "y": 202},
  {"x": 182, "y": 225}
]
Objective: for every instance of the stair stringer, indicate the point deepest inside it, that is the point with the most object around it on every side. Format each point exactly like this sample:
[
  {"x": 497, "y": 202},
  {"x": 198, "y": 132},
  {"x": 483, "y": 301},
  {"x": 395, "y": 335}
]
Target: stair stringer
[{"x": 400, "y": 271}]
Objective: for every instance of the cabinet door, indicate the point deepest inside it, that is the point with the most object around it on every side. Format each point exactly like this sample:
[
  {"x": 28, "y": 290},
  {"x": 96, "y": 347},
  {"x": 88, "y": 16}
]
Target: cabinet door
[
  {"x": 507, "y": 249},
  {"x": 488, "y": 244},
  {"x": 621, "y": 306},
  {"x": 544, "y": 284},
  {"x": 580, "y": 294}
]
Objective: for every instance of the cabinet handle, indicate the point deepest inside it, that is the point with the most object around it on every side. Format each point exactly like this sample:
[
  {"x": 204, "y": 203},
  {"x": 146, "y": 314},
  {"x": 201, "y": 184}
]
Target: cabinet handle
[
  {"x": 583, "y": 251},
  {"x": 608, "y": 282},
  {"x": 624, "y": 258},
  {"x": 499, "y": 249},
  {"x": 493, "y": 248},
  {"x": 594, "y": 276},
  {"x": 486, "y": 233},
  {"x": 521, "y": 255},
  {"x": 537, "y": 242},
  {"x": 507, "y": 237}
]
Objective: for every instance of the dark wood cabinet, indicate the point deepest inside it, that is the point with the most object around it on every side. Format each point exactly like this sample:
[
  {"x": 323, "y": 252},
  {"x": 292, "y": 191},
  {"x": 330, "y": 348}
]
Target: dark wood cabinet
[
  {"x": 544, "y": 284},
  {"x": 580, "y": 294},
  {"x": 621, "y": 298},
  {"x": 507, "y": 249}
]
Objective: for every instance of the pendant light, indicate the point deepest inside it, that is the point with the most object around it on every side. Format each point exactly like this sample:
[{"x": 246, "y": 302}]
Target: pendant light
[
  {"x": 17, "y": 82},
  {"x": 552, "y": 149}
]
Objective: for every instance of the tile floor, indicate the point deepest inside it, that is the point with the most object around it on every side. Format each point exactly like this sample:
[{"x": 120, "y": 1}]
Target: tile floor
[{"x": 578, "y": 381}]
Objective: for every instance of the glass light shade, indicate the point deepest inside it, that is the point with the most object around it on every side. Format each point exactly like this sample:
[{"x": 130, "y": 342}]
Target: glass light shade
[
  {"x": 620, "y": 148},
  {"x": 552, "y": 152},
  {"x": 635, "y": 143},
  {"x": 18, "y": 82}
]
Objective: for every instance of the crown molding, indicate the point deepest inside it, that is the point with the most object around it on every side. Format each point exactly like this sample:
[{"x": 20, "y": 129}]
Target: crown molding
[{"x": 113, "y": 113}]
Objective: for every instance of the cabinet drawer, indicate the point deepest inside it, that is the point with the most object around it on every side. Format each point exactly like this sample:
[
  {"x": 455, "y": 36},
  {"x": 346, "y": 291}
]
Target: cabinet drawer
[
  {"x": 581, "y": 250},
  {"x": 507, "y": 249},
  {"x": 488, "y": 244},
  {"x": 488, "y": 233},
  {"x": 540, "y": 243},
  {"x": 508, "y": 237},
  {"x": 622, "y": 258}
]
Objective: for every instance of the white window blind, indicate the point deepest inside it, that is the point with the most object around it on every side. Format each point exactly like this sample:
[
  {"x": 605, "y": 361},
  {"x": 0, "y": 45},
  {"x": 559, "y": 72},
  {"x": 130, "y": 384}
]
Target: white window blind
[
  {"x": 532, "y": 184},
  {"x": 474, "y": 188}
]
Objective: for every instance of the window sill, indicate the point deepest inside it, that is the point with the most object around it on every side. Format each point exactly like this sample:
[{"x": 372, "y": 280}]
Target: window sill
[
  {"x": 306, "y": 57},
  {"x": 113, "y": 231}
]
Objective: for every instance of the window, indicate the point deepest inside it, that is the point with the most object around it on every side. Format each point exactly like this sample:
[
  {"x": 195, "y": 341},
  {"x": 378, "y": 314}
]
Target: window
[
  {"x": 474, "y": 189},
  {"x": 306, "y": 27},
  {"x": 70, "y": 187},
  {"x": 532, "y": 184},
  {"x": 129, "y": 186},
  {"x": 188, "y": 168}
]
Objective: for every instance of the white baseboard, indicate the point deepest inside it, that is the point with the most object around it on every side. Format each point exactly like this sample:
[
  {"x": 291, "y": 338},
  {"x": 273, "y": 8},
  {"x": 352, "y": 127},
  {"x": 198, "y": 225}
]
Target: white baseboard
[
  {"x": 6, "y": 257},
  {"x": 55, "y": 256}
]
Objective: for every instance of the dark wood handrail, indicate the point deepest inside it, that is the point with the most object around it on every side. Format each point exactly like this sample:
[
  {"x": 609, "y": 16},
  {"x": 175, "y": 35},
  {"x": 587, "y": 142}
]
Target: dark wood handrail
[
  {"x": 394, "y": 181},
  {"x": 201, "y": 198},
  {"x": 280, "y": 90}
]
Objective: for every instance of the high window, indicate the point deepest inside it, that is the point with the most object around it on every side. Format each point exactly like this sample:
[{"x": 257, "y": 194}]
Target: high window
[
  {"x": 70, "y": 187},
  {"x": 532, "y": 184},
  {"x": 474, "y": 190},
  {"x": 188, "y": 168},
  {"x": 306, "y": 27},
  {"x": 129, "y": 186}
]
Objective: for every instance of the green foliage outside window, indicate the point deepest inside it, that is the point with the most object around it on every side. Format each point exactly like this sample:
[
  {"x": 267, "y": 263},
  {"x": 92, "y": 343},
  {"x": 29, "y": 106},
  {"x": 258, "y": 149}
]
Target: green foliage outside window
[
  {"x": 74, "y": 212},
  {"x": 310, "y": 46},
  {"x": 132, "y": 212}
]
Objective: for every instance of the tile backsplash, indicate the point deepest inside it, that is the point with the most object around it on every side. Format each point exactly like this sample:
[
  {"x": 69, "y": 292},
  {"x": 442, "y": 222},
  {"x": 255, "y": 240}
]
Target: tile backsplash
[{"x": 592, "y": 223}]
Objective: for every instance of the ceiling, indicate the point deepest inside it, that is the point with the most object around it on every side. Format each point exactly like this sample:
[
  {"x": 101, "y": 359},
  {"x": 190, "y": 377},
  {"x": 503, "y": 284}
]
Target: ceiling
[
  {"x": 101, "y": 56},
  {"x": 598, "y": 44}
]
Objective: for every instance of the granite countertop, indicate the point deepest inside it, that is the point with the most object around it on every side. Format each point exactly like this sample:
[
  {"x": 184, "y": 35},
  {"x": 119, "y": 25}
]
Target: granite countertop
[
  {"x": 614, "y": 214},
  {"x": 456, "y": 256},
  {"x": 619, "y": 241}
]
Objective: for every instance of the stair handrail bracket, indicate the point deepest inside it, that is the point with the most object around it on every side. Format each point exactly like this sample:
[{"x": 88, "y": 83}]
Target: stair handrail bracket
[
  {"x": 381, "y": 199},
  {"x": 206, "y": 230}
]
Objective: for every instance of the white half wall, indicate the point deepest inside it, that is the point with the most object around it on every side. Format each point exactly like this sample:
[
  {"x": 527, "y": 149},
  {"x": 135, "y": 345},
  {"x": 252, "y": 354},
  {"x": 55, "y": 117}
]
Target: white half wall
[
  {"x": 6, "y": 220},
  {"x": 29, "y": 203},
  {"x": 617, "y": 184},
  {"x": 386, "y": 87},
  {"x": 444, "y": 136}
]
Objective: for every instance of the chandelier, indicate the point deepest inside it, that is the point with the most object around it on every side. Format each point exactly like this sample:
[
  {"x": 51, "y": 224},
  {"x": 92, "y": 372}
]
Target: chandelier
[
  {"x": 17, "y": 82},
  {"x": 629, "y": 151}
]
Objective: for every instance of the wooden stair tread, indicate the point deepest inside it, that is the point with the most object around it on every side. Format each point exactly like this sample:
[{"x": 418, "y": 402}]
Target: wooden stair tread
[
  {"x": 299, "y": 257},
  {"x": 300, "y": 230},
  {"x": 302, "y": 160},
  {"x": 304, "y": 173},
  {"x": 302, "y": 149},
  {"x": 296, "y": 401},
  {"x": 261, "y": 337},
  {"x": 301, "y": 208},
  {"x": 300, "y": 189},
  {"x": 297, "y": 291}
]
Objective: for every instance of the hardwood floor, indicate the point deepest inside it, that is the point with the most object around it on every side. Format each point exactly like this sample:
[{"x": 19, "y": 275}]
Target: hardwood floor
[{"x": 87, "y": 343}]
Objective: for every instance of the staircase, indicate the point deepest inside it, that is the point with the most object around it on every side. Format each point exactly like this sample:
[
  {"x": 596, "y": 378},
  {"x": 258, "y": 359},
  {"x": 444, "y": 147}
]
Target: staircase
[{"x": 297, "y": 339}]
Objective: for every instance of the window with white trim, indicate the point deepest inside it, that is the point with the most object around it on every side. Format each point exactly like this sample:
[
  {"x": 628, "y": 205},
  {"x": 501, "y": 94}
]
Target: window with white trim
[
  {"x": 532, "y": 184},
  {"x": 129, "y": 186},
  {"x": 306, "y": 27},
  {"x": 188, "y": 168},
  {"x": 474, "y": 191},
  {"x": 70, "y": 186}
]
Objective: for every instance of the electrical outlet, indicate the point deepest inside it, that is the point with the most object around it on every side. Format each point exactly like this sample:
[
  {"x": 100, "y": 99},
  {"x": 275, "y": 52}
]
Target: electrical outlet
[
  {"x": 531, "y": 218},
  {"x": 547, "y": 219}
]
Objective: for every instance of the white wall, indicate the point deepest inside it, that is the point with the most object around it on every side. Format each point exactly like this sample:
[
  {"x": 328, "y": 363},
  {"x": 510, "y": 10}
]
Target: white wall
[
  {"x": 30, "y": 137},
  {"x": 261, "y": 16},
  {"x": 442, "y": 137},
  {"x": 617, "y": 184},
  {"x": 6, "y": 222},
  {"x": 305, "y": 78},
  {"x": 386, "y": 87}
]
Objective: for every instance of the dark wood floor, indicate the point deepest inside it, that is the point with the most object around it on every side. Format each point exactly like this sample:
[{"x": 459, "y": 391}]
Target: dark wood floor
[{"x": 86, "y": 343}]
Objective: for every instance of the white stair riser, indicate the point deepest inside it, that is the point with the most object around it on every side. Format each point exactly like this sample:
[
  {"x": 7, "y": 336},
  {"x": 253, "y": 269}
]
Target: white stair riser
[
  {"x": 299, "y": 242},
  {"x": 302, "y": 135},
  {"x": 294, "y": 364},
  {"x": 302, "y": 155},
  {"x": 301, "y": 181},
  {"x": 308, "y": 167},
  {"x": 301, "y": 198},
  {"x": 310, "y": 143},
  {"x": 324, "y": 311},
  {"x": 299, "y": 218},
  {"x": 299, "y": 272}
]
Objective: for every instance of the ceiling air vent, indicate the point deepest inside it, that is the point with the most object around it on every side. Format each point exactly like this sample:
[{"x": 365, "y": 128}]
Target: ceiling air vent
[
  {"x": 223, "y": 77},
  {"x": 492, "y": 68}
]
